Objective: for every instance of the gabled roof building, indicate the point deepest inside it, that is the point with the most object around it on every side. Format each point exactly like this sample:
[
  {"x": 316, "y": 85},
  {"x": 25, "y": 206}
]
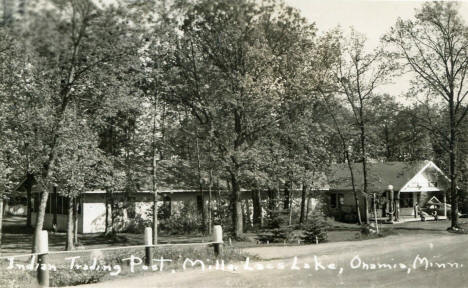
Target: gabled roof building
[{"x": 413, "y": 184}]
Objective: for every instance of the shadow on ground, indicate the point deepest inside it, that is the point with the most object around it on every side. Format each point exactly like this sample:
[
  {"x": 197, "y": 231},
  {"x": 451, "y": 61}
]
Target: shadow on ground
[{"x": 17, "y": 238}]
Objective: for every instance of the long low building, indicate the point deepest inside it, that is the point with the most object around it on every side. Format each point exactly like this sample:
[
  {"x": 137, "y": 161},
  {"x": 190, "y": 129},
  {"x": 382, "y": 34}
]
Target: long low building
[{"x": 91, "y": 206}]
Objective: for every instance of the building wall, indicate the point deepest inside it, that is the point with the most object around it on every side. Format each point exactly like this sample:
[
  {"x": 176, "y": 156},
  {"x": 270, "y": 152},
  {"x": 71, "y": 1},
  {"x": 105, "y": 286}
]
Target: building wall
[
  {"x": 94, "y": 217},
  {"x": 132, "y": 209},
  {"x": 94, "y": 213},
  {"x": 61, "y": 222},
  {"x": 344, "y": 210},
  {"x": 428, "y": 181}
]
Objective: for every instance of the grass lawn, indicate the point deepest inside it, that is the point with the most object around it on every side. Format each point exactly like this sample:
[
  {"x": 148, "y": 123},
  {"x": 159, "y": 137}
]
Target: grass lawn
[
  {"x": 17, "y": 238},
  {"x": 340, "y": 232}
]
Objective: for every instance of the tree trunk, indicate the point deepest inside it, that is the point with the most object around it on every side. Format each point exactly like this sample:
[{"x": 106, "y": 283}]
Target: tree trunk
[
  {"x": 303, "y": 203},
  {"x": 69, "y": 245},
  {"x": 353, "y": 185},
  {"x": 287, "y": 196},
  {"x": 247, "y": 213},
  {"x": 75, "y": 218},
  {"x": 236, "y": 207},
  {"x": 244, "y": 217},
  {"x": 392, "y": 205},
  {"x": 452, "y": 160},
  {"x": 114, "y": 210},
  {"x": 290, "y": 202},
  {"x": 1, "y": 219},
  {"x": 29, "y": 196},
  {"x": 397, "y": 206},
  {"x": 219, "y": 206},
  {"x": 366, "y": 208},
  {"x": 210, "y": 209},
  {"x": 155, "y": 217},
  {"x": 277, "y": 203},
  {"x": 53, "y": 204},
  {"x": 200, "y": 183},
  {"x": 257, "y": 208},
  {"x": 308, "y": 208},
  {"x": 106, "y": 229},
  {"x": 271, "y": 202},
  {"x": 154, "y": 166},
  {"x": 363, "y": 156},
  {"x": 40, "y": 219}
]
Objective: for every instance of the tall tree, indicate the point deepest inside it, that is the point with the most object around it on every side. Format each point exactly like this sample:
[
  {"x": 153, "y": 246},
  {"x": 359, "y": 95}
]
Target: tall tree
[
  {"x": 226, "y": 67},
  {"x": 358, "y": 74},
  {"x": 434, "y": 47},
  {"x": 14, "y": 80},
  {"x": 78, "y": 51}
]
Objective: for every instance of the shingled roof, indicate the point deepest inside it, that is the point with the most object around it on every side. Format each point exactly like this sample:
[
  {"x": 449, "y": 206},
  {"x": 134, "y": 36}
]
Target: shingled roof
[{"x": 380, "y": 175}]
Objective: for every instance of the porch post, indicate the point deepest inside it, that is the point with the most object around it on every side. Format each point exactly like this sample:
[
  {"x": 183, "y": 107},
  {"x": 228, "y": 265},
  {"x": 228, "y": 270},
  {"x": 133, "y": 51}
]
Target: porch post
[
  {"x": 397, "y": 206},
  {"x": 375, "y": 213},
  {"x": 445, "y": 204},
  {"x": 391, "y": 203}
]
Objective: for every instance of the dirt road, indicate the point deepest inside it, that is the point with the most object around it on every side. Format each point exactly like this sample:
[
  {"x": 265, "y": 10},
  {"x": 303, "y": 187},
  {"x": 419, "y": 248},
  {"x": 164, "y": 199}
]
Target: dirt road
[{"x": 394, "y": 261}]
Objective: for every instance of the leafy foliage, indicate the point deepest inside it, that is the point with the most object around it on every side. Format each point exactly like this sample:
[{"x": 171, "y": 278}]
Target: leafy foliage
[{"x": 316, "y": 229}]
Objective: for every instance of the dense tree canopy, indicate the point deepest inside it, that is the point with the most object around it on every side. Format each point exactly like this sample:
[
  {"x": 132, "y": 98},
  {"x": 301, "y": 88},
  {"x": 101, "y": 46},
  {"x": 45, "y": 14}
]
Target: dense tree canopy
[{"x": 225, "y": 95}]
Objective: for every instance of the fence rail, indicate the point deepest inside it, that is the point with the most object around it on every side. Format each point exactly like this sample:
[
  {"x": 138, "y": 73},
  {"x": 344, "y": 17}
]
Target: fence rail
[{"x": 109, "y": 248}]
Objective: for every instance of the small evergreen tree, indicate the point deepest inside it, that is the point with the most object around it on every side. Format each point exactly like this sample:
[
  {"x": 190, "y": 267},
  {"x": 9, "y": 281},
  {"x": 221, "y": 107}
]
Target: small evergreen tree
[{"x": 315, "y": 230}]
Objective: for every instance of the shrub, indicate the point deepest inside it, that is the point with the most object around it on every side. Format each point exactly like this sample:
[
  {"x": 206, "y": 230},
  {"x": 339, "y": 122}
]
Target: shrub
[
  {"x": 64, "y": 276},
  {"x": 315, "y": 229},
  {"x": 278, "y": 219},
  {"x": 367, "y": 229},
  {"x": 368, "y": 232},
  {"x": 184, "y": 219},
  {"x": 281, "y": 234},
  {"x": 349, "y": 217},
  {"x": 16, "y": 278}
]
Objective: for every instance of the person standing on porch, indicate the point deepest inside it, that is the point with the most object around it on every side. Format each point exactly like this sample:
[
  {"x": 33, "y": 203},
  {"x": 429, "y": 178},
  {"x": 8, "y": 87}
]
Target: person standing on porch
[
  {"x": 434, "y": 214},
  {"x": 416, "y": 210}
]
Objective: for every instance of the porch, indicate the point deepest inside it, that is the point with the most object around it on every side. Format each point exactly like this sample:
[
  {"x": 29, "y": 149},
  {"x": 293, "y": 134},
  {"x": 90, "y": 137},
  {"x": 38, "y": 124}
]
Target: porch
[
  {"x": 409, "y": 206},
  {"x": 406, "y": 219}
]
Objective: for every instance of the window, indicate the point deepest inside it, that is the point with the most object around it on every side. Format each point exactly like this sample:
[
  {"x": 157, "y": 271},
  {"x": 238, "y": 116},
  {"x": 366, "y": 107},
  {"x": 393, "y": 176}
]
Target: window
[
  {"x": 53, "y": 206},
  {"x": 131, "y": 213},
  {"x": 65, "y": 205},
  {"x": 333, "y": 200},
  {"x": 48, "y": 204},
  {"x": 340, "y": 199},
  {"x": 199, "y": 204},
  {"x": 36, "y": 202},
  {"x": 78, "y": 204},
  {"x": 60, "y": 205},
  {"x": 406, "y": 200},
  {"x": 167, "y": 206}
]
